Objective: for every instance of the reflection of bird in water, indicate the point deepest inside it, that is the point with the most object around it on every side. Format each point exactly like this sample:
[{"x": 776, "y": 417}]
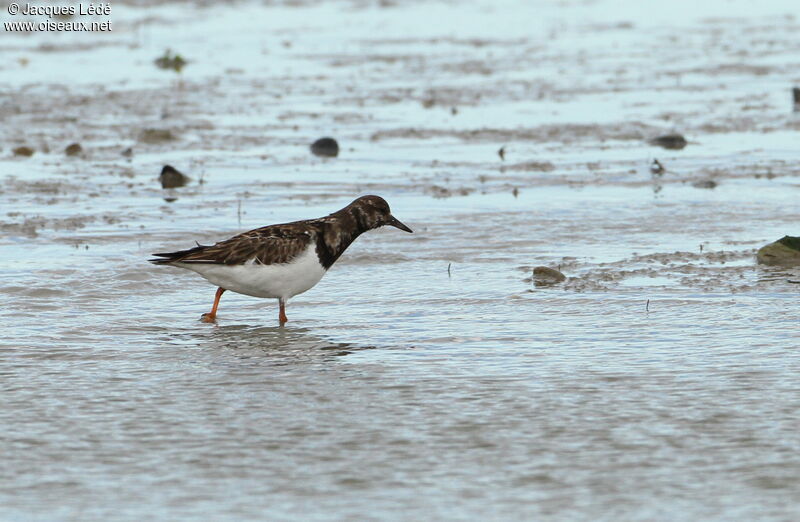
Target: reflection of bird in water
[
  {"x": 281, "y": 261},
  {"x": 290, "y": 345}
]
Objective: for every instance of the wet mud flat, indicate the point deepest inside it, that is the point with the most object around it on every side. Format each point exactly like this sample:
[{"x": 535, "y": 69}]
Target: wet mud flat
[{"x": 426, "y": 373}]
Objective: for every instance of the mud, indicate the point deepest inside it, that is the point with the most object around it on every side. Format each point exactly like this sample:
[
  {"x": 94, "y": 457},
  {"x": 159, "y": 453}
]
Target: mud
[{"x": 662, "y": 365}]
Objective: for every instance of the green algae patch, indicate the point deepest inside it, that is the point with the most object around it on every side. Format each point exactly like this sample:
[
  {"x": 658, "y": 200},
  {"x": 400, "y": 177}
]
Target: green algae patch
[
  {"x": 170, "y": 61},
  {"x": 785, "y": 251}
]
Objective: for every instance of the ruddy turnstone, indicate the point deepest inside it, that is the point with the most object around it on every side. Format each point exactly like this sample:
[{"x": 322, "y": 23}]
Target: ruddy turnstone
[
  {"x": 657, "y": 168},
  {"x": 281, "y": 261}
]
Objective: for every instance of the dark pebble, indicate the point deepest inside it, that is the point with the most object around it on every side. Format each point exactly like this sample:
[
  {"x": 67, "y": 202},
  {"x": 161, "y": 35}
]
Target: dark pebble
[
  {"x": 73, "y": 149},
  {"x": 23, "y": 151},
  {"x": 171, "y": 177},
  {"x": 669, "y": 141},
  {"x": 543, "y": 276},
  {"x": 325, "y": 147},
  {"x": 156, "y": 135},
  {"x": 705, "y": 184}
]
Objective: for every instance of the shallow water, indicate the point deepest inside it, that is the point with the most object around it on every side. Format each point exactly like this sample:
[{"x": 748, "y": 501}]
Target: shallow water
[{"x": 427, "y": 376}]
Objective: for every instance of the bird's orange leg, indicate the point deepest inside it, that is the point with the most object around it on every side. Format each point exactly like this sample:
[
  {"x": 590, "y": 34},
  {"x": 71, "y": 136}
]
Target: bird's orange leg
[
  {"x": 211, "y": 316},
  {"x": 282, "y": 314}
]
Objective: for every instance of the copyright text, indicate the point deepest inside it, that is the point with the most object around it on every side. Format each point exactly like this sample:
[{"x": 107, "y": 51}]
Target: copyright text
[{"x": 59, "y": 11}]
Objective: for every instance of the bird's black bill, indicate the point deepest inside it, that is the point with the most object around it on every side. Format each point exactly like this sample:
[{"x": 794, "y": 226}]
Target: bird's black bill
[{"x": 393, "y": 221}]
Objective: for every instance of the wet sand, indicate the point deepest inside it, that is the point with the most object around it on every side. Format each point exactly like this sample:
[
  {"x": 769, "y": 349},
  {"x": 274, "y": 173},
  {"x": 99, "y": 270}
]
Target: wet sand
[{"x": 426, "y": 376}]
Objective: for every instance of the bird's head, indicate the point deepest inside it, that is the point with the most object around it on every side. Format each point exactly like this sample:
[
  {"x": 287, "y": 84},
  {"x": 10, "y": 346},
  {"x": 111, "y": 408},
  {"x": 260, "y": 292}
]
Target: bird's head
[{"x": 373, "y": 212}]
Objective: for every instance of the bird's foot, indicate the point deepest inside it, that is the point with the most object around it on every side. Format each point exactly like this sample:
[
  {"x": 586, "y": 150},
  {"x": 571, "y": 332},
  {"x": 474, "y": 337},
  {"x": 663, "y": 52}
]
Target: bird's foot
[{"x": 208, "y": 318}]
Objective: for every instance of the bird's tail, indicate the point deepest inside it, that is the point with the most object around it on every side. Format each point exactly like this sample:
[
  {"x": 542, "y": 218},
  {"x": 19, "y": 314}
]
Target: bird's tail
[{"x": 167, "y": 258}]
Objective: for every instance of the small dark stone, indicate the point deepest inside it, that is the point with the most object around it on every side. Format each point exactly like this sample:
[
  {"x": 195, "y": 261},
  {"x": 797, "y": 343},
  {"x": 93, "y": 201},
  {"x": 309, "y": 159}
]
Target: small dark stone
[
  {"x": 73, "y": 149},
  {"x": 705, "y": 184},
  {"x": 544, "y": 276},
  {"x": 502, "y": 153},
  {"x": 128, "y": 153},
  {"x": 669, "y": 141},
  {"x": 325, "y": 147},
  {"x": 171, "y": 177},
  {"x": 785, "y": 251},
  {"x": 156, "y": 135},
  {"x": 796, "y": 97},
  {"x": 23, "y": 151}
]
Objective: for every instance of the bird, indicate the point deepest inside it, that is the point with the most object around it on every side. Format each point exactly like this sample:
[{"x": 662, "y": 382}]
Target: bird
[
  {"x": 657, "y": 168},
  {"x": 283, "y": 260}
]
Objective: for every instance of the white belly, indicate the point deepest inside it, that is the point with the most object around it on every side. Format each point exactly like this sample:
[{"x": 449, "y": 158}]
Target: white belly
[{"x": 278, "y": 281}]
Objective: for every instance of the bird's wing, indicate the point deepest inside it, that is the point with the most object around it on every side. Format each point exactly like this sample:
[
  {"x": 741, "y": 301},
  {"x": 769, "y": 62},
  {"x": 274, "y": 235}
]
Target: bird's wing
[{"x": 273, "y": 244}]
